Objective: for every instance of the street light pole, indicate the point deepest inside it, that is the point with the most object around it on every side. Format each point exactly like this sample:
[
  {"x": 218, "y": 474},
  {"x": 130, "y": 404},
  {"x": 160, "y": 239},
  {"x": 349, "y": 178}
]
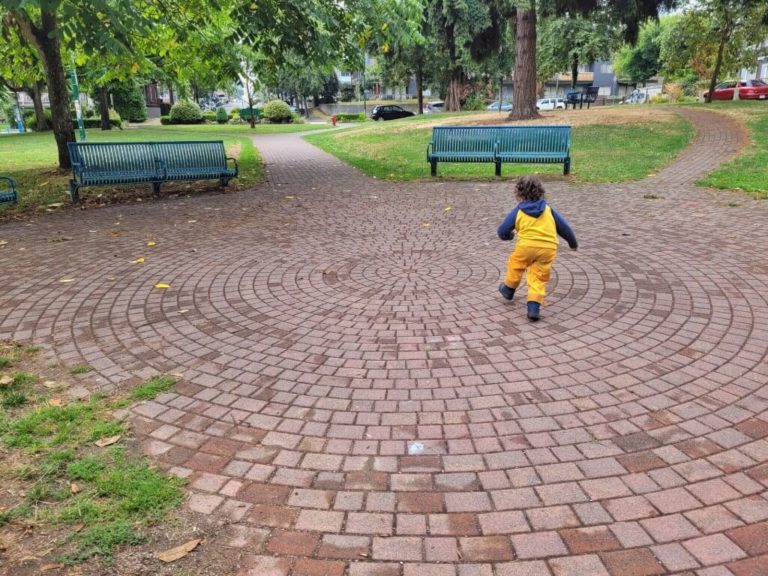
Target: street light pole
[{"x": 76, "y": 98}]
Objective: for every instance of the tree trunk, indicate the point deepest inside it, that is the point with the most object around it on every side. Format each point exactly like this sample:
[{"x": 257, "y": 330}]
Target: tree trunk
[
  {"x": 420, "y": 87},
  {"x": 574, "y": 71},
  {"x": 170, "y": 94},
  {"x": 524, "y": 93},
  {"x": 104, "y": 108},
  {"x": 453, "y": 98},
  {"x": 37, "y": 98},
  {"x": 716, "y": 72},
  {"x": 46, "y": 41}
]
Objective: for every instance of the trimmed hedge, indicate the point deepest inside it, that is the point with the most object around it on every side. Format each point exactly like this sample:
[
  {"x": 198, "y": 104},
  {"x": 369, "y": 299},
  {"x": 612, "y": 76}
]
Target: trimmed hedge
[
  {"x": 96, "y": 122},
  {"x": 186, "y": 112},
  {"x": 209, "y": 116},
  {"x": 221, "y": 115},
  {"x": 350, "y": 117},
  {"x": 277, "y": 112}
]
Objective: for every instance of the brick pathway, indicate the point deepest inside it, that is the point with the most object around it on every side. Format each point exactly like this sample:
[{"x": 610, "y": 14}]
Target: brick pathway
[{"x": 358, "y": 399}]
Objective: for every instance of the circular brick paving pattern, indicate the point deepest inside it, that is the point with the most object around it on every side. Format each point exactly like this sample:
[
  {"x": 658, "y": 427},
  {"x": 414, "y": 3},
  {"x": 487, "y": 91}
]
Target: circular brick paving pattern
[{"x": 358, "y": 400}]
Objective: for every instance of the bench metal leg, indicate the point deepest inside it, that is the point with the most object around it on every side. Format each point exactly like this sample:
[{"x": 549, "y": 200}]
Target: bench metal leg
[
  {"x": 74, "y": 191},
  {"x": 498, "y": 168},
  {"x": 567, "y": 166},
  {"x": 224, "y": 182},
  {"x": 156, "y": 187},
  {"x": 433, "y": 165}
]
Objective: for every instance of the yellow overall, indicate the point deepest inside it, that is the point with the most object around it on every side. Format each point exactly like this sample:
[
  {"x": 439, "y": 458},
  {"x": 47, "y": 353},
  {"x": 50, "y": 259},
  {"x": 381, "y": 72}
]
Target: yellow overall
[{"x": 535, "y": 253}]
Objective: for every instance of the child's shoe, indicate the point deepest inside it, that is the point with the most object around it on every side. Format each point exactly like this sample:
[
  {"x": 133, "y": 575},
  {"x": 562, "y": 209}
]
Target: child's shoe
[
  {"x": 533, "y": 311},
  {"x": 506, "y": 291}
]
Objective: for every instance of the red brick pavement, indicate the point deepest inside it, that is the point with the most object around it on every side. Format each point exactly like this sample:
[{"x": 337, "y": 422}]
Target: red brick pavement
[{"x": 358, "y": 400}]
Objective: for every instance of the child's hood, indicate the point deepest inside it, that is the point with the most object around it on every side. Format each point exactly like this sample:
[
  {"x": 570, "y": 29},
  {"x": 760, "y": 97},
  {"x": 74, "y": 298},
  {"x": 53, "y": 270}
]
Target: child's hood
[{"x": 533, "y": 208}]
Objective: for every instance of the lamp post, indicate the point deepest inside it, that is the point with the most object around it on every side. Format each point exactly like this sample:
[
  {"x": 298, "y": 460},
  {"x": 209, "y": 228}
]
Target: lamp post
[{"x": 76, "y": 98}]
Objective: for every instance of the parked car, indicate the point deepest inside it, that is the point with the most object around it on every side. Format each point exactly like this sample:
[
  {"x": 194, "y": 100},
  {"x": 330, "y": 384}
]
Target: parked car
[
  {"x": 436, "y": 106},
  {"x": 748, "y": 90},
  {"x": 389, "y": 112},
  {"x": 506, "y": 106},
  {"x": 550, "y": 104}
]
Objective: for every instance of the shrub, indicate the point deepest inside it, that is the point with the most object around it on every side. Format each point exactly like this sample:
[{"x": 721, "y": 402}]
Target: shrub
[
  {"x": 30, "y": 119},
  {"x": 277, "y": 112},
  {"x": 221, "y": 115},
  {"x": 186, "y": 112},
  {"x": 474, "y": 101},
  {"x": 129, "y": 102},
  {"x": 350, "y": 117},
  {"x": 96, "y": 122},
  {"x": 165, "y": 108},
  {"x": 209, "y": 116},
  {"x": 165, "y": 120},
  {"x": 674, "y": 91},
  {"x": 234, "y": 114}
]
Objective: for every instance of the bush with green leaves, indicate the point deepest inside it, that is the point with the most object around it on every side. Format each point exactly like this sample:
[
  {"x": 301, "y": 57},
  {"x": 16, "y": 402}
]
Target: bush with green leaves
[
  {"x": 221, "y": 115},
  {"x": 186, "y": 112},
  {"x": 474, "y": 101},
  {"x": 209, "y": 117},
  {"x": 30, "y": 119},
  {"x": 350, "y": 117},
  {"x": 277, "y": 112},
  {"x": 129, "y": 102}
]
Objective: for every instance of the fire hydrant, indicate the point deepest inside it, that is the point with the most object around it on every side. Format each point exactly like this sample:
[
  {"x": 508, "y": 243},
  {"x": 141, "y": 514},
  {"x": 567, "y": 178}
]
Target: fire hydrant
[{"x": 333, "y": 119}]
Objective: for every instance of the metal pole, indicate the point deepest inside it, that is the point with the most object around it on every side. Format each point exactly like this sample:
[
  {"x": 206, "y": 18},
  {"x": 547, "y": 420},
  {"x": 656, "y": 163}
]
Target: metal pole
[
  {"x": 19, "y": 117},
  {"x": 76, "y": 98},
  {"x": 365, "y": 100}
]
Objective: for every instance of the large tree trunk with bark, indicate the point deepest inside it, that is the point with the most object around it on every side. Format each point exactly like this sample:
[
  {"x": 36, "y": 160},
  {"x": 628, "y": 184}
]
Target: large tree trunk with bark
[
  {"x": 104, "y": 108},
  {"x": 37, "y": 99},
  {"x": 524, "y": 93},
  {"x": 46, "y": 41},
  {"x": 455, "y": 80}
]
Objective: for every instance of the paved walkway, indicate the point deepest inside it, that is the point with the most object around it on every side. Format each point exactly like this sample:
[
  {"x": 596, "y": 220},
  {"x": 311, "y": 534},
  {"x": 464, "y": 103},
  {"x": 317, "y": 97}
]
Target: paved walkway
[{"x": 358, "y": 400}]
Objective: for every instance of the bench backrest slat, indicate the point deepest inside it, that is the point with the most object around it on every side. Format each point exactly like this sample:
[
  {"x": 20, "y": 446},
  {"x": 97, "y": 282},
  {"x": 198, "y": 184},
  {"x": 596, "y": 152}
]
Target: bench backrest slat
[
  {"x": 147, "y": 156},
  {"x": 463, "y": 139},
  {"x": 531, "y": 139}
]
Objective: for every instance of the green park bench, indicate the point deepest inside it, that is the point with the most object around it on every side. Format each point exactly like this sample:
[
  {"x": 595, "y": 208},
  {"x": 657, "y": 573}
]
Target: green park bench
[
  {"x": 7, "y": 190},
  {"x": 500, "y": 144},
  {"x": 109, "y": 163}
]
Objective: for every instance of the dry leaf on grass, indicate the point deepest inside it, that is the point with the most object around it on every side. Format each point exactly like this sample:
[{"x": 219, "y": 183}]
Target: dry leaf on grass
[
  {"x": 179, "y": 552},
  {"x": 56, "y": 402},
  {"x": 48, "y": 567},
  {"x": 5, "y": 380},
  {"x": 74, "y": 488},
  {"x": 107, "y": 441}
]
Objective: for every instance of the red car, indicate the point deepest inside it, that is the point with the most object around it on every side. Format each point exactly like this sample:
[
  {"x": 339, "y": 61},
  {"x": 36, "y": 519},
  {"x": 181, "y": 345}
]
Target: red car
[{"x": 748, "y": 90}]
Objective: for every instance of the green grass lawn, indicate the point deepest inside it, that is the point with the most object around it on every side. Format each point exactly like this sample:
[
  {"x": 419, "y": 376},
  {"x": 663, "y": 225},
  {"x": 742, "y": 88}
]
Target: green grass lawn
[
  {"x": 600, "y": 153},
  {"x": 749, "y": 170},
  {"x": 32, "y": 160}
]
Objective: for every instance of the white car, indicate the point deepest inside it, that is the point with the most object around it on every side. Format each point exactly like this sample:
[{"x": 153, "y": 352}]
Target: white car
[{"x": 550, "y": 104}]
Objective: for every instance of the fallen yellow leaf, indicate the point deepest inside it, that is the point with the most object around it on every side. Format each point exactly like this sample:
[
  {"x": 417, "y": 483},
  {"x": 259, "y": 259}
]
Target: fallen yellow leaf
[
  {"x": 425, "y": 224},
  {"x": 162, "y": 285},
  {"x": 179, "y": 552},
  {"x": 151, "y": 243},
  {"x": 74, "y": 488},
  {"x": 66, "y": 280},
  {"x": 290, "y": 197},
  {"x": 448, "y": 209},
  {"x": 107, "y": 441},
  {"x": 138, "y": 261}
]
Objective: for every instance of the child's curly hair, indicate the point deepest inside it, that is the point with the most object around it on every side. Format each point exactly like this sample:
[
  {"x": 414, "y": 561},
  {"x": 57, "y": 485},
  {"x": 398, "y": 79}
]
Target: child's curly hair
[{"x": 529, "y": 188}]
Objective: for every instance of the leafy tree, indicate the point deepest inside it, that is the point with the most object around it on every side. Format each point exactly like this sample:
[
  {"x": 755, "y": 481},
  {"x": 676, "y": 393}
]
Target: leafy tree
[
  {"x": 567, "y": 41},
  {"x": 20, "y": 70},
  {"x": 129, "y": 101},
  {"x": 641, "y": 61}
]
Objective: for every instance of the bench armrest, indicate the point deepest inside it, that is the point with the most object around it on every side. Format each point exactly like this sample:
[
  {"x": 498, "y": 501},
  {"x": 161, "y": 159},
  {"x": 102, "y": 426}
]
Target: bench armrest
[
  {"x": 77, "y": 168},
  {"x": 11, "y": 182},
  {"x": 237, "y": 167},
  {"x": 429, "y": 148}
]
